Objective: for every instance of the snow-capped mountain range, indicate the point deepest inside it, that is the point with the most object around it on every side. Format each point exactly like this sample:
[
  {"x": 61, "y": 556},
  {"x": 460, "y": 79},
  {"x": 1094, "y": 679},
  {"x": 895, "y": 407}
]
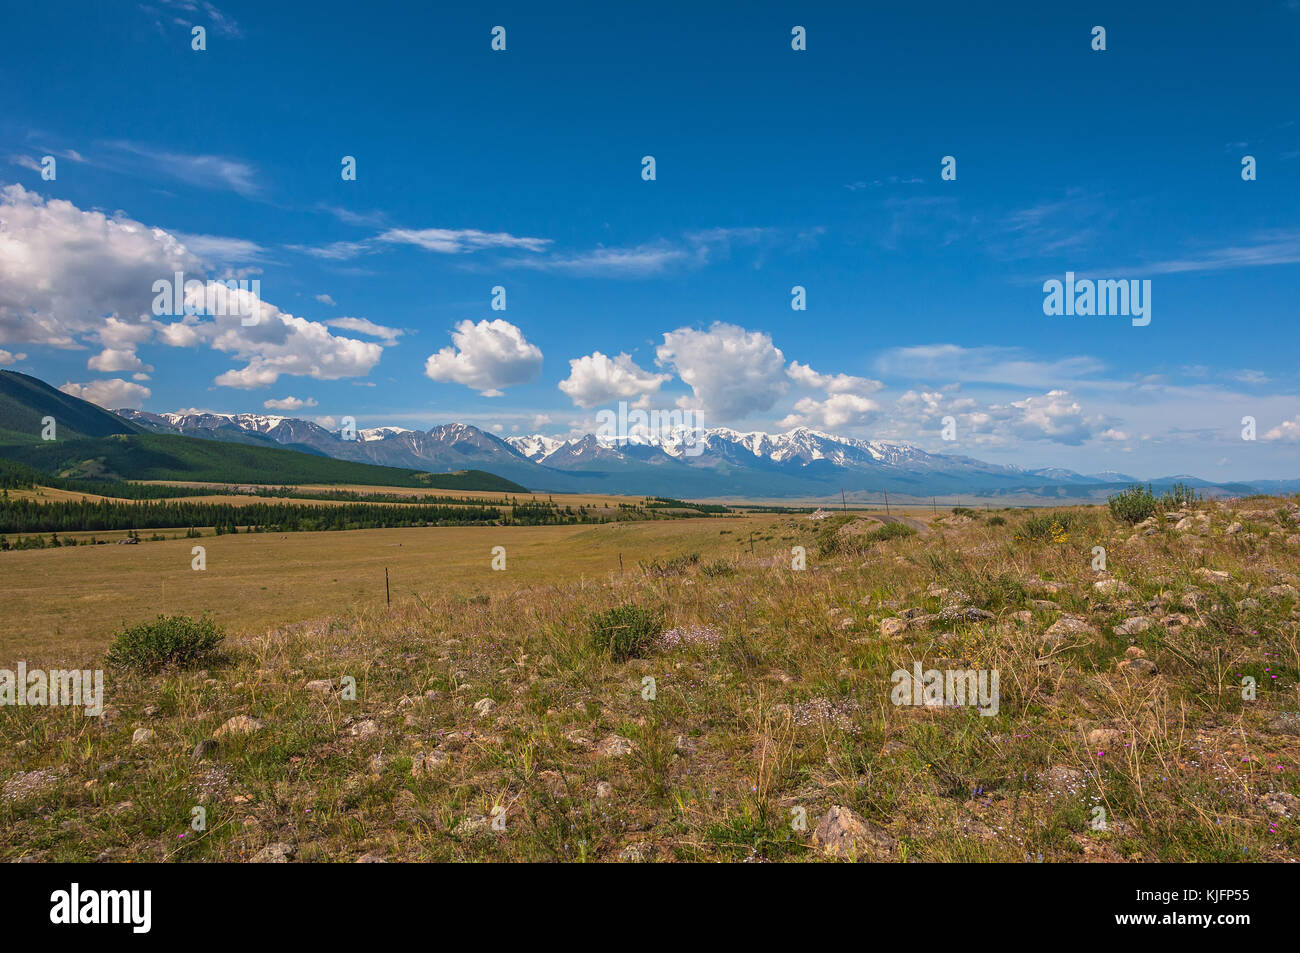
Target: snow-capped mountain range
[{"x": 718, "y": 462}]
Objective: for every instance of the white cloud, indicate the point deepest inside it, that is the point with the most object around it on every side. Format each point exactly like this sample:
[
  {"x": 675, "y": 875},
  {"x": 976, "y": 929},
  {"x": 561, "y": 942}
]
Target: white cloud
[
  {"x": 111, "y": 394},
  {"x": 831, "y": 383},
  {"x": 1288, "y": 431},
  {"x": 836, "y": 412},
  {"x": 449, "y": 241},
  {"x": 597, "y": 379},
  {"x": 63, "y": 270},
  {"x": 278, "y": 343},
  {"x": 732, "y": 372},
  {"x": 1052, "y": 416},
  {"x": 486, "y": 356},
  {"x": 110, "y": 360},
  {"x": 289, "y": 403},
  {"x": 7, "y": 357},
  {"x": 326, "y": 300},
  {"x": 369, "y": 328}
]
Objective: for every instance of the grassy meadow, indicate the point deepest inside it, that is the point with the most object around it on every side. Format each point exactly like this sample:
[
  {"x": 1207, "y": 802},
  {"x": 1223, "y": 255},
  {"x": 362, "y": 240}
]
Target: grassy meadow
[{"x": 705, "y": 704}]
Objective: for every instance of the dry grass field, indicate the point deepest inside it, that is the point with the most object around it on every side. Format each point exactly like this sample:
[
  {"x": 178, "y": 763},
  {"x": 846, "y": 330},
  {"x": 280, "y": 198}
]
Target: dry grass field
[{"x": 728, "y": 708}]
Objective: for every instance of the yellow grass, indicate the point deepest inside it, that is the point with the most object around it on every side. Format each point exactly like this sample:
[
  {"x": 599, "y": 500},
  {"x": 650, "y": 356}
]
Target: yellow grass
[{"x": 65, "y": 603}]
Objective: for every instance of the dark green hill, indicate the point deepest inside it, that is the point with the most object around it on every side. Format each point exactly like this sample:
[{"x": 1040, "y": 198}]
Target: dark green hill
[
  {"x": 165, "y": 457},
  {"x": 94, "y": 444},
  {"x": 24, "y": 401}
]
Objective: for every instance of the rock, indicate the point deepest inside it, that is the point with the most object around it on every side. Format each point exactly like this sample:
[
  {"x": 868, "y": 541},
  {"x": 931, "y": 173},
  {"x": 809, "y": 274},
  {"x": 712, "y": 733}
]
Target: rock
[
  {"x": 1063, "y": 780},
  {"x": 371, "y": 859},
  {"x": 1232, "y": 530},
  {"x": 1104, "y": 737},
  {"x": 143, "y": 736},
  {"x": 240, "y": 725},
  {"x": 1111, "y": 587},
  {"x": 473, "y": 826},
  {"x": 1065, "y": 628},
  {"x": 1139, "y": 623},
  {"x": 845, "y": 834},
  {"x": 321, "y": 685},
  {"x": 1135, "y": 651},
  {"x": 366, "y": 728},
  {"x": 1283, "y": 591},
  {"x": 1216, "y": 576},
  {"x": 426, "y": 764},
  {"x": 683, "y": 745},
  {"x": 1139, "y": 666},
  {"x": 1287, "y": 723},
  {"x": 1184, "y": 524},
  {"x": 484, "y": 706},
  {"x": 893, "y": 628},
  {"x": 614, "y": 746},
  {"x": 635, "y": 854},
  {"x": 604, "y": 789},
  {"x": 205, "y": 749},
  {"x": 1280, "y": 803},
  {"x": 277, "y": 853}
]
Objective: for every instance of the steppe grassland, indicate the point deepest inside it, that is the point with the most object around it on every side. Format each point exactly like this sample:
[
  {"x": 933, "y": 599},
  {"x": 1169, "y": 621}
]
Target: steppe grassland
[{"x": 772, "y": 702}]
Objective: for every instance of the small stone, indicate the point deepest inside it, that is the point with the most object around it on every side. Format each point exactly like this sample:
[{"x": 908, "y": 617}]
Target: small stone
[
  {"x": 615, "y": 746},
  {"x": 604, "y": 789},
  {"x": 366, "y": 728},
  {"x": 1104, "y": 737},
  {"x": 1139, "y": 623},
  {"x": 143, "y": 736},
  {"x": 1139, "y": 666},
  {"x": 1216, "y": 576},
  {"x": 321, "y": 685},
  {"x": 371, "y": 859},
  {"x": 847, "y": 835},
  {"x": 892, "y": 628},
  {"x": 240, "y": 725},
  {"x": 277, "y": 853},
  {"x": 427, "y": 764},
  {"x": 484, "y": 706}
]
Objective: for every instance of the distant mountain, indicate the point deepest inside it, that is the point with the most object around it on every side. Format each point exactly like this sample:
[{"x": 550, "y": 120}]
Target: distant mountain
[
  {"x": 800, "y": 463},
  {"x": 94, "y": 443}
]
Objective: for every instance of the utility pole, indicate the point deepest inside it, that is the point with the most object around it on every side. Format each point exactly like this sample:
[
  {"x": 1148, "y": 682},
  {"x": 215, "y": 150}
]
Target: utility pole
[
  {"x": 843, "y": 503},
  {"x": 886, "y": 502},
  {"x": 388, "y": 595}
]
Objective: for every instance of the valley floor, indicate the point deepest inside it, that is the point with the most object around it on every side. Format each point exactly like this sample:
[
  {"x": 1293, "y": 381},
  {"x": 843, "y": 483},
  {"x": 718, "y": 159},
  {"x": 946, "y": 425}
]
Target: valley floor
[{"x": 760, "y": 722}]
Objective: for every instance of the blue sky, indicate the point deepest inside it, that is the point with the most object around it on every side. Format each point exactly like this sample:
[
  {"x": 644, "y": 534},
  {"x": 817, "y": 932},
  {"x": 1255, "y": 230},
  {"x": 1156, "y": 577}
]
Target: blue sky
[{"x": 775, "y": 168}]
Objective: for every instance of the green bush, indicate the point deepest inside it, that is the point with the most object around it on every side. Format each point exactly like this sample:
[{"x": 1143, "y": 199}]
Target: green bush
[
  {"x": 178, "y": 641},
  {"x": 1052, "y": 527},
  {"x": 889, "y": 531},
  {"x": 717, "y": 569},
  {"x": 1134, "y": 504},
  {"x": 1178, "y": 496},
  {"x": 625, "y": 632},
  {"x": 997, "y": 521}
]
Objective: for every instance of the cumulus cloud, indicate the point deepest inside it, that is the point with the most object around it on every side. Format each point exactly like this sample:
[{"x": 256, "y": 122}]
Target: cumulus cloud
[
  {"x": 597, "y": 379},
  {"x": 831, "y": 383},
  {"x": 1052, "y": 416},
  {"x": 64, "y": 270},
  {"x": 1288, "y": 431},
  {"x": 289, "y": 403},
  {"x": 732, "y": 372},
  {"x": 486, "y": 356},
  {"x": 326, "y": 300},
  {"x": 7, "y": 357},
  {"x": 837, "y": 411},
  {"x": 69, "y": 277},
  {"x": 110, "y": 394}
]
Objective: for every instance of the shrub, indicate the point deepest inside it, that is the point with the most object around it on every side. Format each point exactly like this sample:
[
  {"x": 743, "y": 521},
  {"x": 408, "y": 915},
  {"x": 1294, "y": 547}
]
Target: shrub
[
  {"x": 718, "y": 568},
  {"x": 178, "y": 641},
  {"x": 1052, "y": 527},
  {"x": 963, "y": 511},
  {"x": 1179, "y": 495},
  {"x": 997, "y": 521},
  {"x": 625, "y": 632},
  {"x": 1134, "y": 504},
  {"x": 889, "y": 531}
]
